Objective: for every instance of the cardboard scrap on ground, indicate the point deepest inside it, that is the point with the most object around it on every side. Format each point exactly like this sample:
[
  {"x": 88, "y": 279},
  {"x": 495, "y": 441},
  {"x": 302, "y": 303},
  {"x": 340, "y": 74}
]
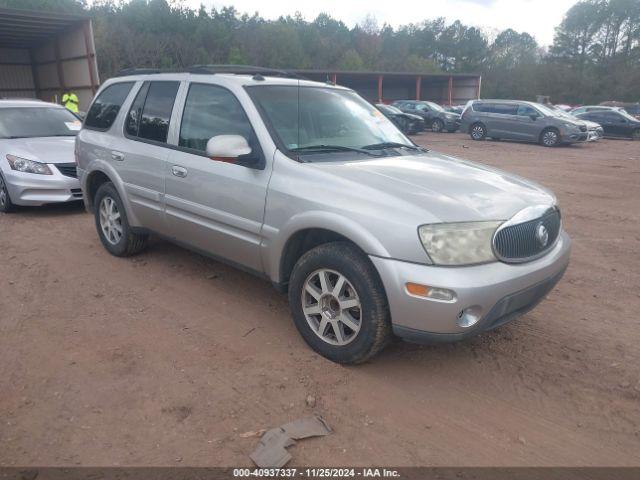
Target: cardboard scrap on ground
[{"x": 271, "y": 451}]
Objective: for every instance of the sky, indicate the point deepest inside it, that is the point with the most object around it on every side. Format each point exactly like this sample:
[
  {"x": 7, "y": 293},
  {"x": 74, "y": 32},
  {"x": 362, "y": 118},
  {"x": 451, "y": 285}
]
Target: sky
[{"x": 537, "y": 17}]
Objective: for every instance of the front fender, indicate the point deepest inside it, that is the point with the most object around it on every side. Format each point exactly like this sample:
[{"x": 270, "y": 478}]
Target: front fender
[{"x": 275, "y": 240}]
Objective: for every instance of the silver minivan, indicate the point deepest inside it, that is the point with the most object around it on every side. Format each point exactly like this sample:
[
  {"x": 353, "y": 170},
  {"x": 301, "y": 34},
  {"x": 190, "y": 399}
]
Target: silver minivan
[
  {"x": 311, "y": 187},
  {"x": 520, "y": 120}
]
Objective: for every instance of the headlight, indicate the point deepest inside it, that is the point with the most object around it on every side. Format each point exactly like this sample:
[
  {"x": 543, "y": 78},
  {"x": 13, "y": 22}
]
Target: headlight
[
  {"x": 28, "y": 166},
  {"x": 459, "y": 243},
  {"x": 570, "y": 125}
]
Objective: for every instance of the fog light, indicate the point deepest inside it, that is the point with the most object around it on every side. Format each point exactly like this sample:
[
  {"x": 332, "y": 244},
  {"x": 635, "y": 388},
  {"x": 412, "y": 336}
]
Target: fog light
[
  {"x": 433, "y": 293},
  {"x": 469, "y": 316}
]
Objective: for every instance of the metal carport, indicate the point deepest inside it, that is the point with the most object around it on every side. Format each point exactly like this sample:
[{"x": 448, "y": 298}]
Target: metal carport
[{"x": 43, "y": 54}]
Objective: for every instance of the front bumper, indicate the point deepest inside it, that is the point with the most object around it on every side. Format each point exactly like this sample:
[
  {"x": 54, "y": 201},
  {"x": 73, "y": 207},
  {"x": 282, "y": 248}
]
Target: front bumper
[
  {"x": 496, "y": 293},
  {"x": 29, "y": 189},
  {"x": 573, "y": 136},
  {"x": 452, "y": 125}
]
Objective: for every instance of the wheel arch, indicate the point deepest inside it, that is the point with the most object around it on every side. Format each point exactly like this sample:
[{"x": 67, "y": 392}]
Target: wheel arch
[
  {"x": 309, "y": 230},
  {"x": 99, "y": 174}
]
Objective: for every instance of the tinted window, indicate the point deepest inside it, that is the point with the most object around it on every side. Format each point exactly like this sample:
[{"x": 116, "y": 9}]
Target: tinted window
[
  {"x": 132, "y": 123},
  {"x": 156, "y": 113},
  {"x": 28, "y": 122},
  {"x": 209, "y": 111},
  {"x": 504, "y": 108},
  {"x": 105, "y": 108},
  {"x": 526, "y": 111}
]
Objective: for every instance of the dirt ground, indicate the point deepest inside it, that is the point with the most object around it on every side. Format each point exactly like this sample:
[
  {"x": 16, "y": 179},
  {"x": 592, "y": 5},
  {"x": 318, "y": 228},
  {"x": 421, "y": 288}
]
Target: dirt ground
[{"x": 168, "y": 358}]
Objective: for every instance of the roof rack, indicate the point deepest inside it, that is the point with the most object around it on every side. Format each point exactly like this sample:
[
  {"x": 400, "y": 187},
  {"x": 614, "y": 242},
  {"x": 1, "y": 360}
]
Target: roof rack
[{"x": 213, "y": 69}]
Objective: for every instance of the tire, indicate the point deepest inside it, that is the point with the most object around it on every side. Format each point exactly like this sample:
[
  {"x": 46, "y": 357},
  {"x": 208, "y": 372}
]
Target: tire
[
  {"x": 437, "y": 125},
  {"x": 112, "y": 225},
  {"x": 6, "y": 205},
  {"x": 550, "y": 137},
  {"x": 478, "y": 131},
  {"x": 362, "y": 289}
]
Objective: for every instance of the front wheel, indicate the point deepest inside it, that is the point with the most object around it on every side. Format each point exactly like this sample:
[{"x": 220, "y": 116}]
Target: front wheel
[
  {"x": 338, "y": 303},
  {"x": 550, "y": 137},
  {"x": 6, "y": 206},
  {"x": 113, "y": 227},
  {"x": 437, "y": 125}
]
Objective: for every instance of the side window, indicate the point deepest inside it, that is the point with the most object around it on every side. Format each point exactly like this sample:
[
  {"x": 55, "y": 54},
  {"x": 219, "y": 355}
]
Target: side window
[
  {"x": 132, "y": 124},
  {"x": 105, "y": 108},
  {"x": 422, "y": 107},
  {"x": 151, "y": 111},
  {"x": 209, "y": 111},
  {"x": 505, "y": 109},
  {"x": 527, "y": 111}
]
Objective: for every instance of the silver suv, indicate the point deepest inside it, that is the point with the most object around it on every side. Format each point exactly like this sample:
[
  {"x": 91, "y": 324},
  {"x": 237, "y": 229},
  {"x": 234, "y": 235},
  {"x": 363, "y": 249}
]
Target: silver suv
[
  {"x": 311, "y": 187},
  {"x": 520, "y": 120}
]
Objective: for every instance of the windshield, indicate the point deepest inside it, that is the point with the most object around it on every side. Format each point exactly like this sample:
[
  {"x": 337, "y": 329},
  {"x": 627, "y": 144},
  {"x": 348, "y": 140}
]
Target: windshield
[
  {"x": 334, "y": 120},
  {"x": 546, "y": 110},
  {"x": 435, "y": 106},
  {"x": 27, "y": 122}
]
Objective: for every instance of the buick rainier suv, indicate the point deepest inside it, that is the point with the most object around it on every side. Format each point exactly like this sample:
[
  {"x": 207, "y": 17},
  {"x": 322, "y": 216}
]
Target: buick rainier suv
[{"x": 311, "y": 187}]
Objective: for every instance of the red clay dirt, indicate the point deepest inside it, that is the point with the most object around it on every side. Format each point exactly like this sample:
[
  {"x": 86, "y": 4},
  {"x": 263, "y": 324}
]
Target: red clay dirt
[{"x": 168, "y": 357}]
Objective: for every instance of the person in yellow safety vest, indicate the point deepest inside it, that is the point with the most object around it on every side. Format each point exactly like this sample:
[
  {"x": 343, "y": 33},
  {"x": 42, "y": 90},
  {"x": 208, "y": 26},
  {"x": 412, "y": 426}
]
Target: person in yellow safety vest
[{"x": 70, "y": 101}]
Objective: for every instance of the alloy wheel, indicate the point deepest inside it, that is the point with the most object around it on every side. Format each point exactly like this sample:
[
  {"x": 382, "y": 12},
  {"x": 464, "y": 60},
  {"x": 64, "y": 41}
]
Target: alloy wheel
[
  {"x": 331, "y": 307},
  {"x": 110, "y": 221},
  {"x": 477, "y": 132},
  {"x": 550, "y": 138},
  {"x": 436, "y": 126}
]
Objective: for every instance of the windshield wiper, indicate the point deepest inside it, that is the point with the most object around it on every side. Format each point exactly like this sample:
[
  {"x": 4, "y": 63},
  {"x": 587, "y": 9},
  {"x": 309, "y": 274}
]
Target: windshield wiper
[
  {"x": 333, "y": 148},
  {"x": 383, "y": 145}
]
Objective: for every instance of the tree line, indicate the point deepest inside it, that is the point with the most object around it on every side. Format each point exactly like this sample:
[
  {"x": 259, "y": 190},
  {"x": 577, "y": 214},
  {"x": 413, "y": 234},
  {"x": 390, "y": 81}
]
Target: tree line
[{"x": 595, "y": 55}]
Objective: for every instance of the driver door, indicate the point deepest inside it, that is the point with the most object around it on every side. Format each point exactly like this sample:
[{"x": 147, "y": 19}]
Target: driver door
[{"x": 215, "y": 206}]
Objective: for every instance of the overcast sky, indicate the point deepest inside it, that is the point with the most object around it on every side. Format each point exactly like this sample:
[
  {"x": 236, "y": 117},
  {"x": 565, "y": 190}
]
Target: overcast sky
[{"x": 538, "y": 17}]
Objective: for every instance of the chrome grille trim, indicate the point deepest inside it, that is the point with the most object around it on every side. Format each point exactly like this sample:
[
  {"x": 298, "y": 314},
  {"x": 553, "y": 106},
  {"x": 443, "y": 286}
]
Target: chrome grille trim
[{"x": 515, "y": 240}]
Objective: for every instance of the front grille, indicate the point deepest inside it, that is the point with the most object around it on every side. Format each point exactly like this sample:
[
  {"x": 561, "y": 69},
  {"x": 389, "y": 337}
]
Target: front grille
[
  {"x": 522, "y": 242},
  {"x": 583, "y": 128},
  {"x": 67, "y": 169}
]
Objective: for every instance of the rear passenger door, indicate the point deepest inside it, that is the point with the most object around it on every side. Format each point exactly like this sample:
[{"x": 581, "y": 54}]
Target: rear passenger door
[
  {"x": 211, "y": 205},
  {"x": 504, "y": 121},
  {"x": 144, "y": 151}
]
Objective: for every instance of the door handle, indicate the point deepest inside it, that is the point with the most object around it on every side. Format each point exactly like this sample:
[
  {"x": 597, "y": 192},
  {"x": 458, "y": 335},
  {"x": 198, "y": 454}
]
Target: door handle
[
  {"x": 118, "y": 156},
  {"x": 178, "y": 171}
]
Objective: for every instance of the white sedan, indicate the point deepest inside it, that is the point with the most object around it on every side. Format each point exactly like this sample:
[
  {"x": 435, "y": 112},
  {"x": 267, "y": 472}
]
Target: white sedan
[{"x": 37, "y": 163}]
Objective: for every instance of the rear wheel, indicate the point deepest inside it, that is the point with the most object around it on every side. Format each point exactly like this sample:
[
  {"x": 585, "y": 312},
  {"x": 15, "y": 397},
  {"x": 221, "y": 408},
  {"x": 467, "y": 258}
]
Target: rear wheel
[
  {"x": 113, "y": 227},
  {"x": 437, "y": 125},
  {"x": 6, "y": 205},
  {"x": 338, "y": 303},
  {"x": 478, "y": 131},
  {"x": 550, "y": 137}
]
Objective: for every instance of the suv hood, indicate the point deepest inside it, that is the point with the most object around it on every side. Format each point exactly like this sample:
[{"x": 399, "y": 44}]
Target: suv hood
[
  {"x": 42, "y": 149},
  {"x": 450, "y": 189}
]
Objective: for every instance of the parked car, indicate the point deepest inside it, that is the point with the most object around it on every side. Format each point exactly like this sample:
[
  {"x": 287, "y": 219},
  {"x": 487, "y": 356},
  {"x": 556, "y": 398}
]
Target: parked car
[
  {"x": 407, "y": 122},
  {"x": 520, "y": 120},
  {"x": 454, "y": 109},
  {"x": 37, "y": 164},
  {"x": 632, "y": 108},
  {"x": 594, "y": 130},
  {"x": 435, "y": 117},
  {"x": 616, "y": 123},
  {"x": 307, "y": 185},
  {"x": 592, "y": 108}
]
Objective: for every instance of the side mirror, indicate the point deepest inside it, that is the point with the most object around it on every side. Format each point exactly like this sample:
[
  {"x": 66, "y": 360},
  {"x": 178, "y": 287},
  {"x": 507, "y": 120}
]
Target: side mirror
[{"x": 227, "y": 148}]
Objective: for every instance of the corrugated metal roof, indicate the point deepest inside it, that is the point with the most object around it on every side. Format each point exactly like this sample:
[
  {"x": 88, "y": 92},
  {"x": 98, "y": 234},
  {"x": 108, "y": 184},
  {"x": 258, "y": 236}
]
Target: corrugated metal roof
[{"x": 24, "y": 28}]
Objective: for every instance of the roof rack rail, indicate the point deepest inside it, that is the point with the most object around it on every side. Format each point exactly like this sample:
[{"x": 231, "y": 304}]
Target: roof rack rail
[
  {"x": 243, "y": 70},
  {"x": 213, "y": 69}
]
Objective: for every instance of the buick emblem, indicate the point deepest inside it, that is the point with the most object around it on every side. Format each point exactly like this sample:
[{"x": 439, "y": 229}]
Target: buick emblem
[{"x": 542, "y": 235}]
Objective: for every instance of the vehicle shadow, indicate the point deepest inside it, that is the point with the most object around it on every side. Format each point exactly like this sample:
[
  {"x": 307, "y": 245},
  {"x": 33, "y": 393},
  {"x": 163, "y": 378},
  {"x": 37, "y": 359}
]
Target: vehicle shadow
[{"x": 51, "y": 210}]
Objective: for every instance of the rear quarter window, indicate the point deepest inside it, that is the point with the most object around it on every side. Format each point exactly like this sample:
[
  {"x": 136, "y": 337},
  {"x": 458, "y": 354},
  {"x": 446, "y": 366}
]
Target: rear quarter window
[{"x": 105, "y": 108}]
